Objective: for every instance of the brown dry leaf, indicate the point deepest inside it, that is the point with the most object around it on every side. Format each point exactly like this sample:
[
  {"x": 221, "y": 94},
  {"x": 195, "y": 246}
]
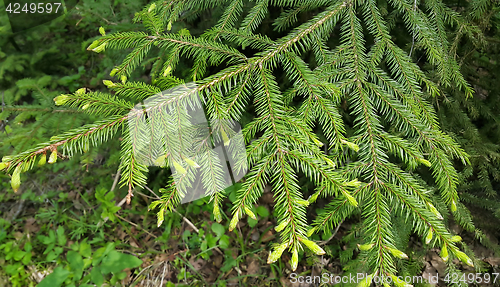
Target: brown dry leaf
[
  {"x": 268, "y": 236},
  {"x": 72, "y": 195},
  {"x": 18, "y": 235},
  {"x": 160, "y": 258},
  {"x": 121, "y": 234},
  {"x": 438, "y": 263},
  {"x": 430, "y": 273},
  {"x": 233, "y": 278},
  {"x": 133, "y": 243},
  {"x": 217, "y": 261},
  {"x": 197, "y": 263},
  {"x": 31, "y": 225},
  {"x": 253, "y": 268},
  {"x": 78, "y": 205},
  {"x": 255, "y": 236},
  {"x": 211, "y": 272}
]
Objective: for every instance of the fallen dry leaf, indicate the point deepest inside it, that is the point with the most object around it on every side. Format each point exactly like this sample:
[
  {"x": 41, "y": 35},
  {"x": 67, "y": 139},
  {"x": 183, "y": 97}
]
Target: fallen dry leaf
[
  {"x": 268, "y": 236},
  {"x": 438, "y": 263},
  {"x": 197, "y": 263},
  {"x": 253, "y": 267},
  {"x": 31, "y": 225},
  {"x": 493, "y": 261}
]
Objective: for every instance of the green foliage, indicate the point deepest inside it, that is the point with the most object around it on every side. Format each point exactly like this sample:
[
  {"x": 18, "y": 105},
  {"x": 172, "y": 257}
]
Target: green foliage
[
  {"x": 105, "y": 260},
  {"x": 107, "y": 203},
  {"x": 337, "y": 80},
  {"x": 476, "y": 121}
]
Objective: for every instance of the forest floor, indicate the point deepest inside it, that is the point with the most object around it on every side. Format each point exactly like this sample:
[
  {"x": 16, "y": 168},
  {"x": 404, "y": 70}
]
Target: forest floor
[{"x": 189, "y": 248}]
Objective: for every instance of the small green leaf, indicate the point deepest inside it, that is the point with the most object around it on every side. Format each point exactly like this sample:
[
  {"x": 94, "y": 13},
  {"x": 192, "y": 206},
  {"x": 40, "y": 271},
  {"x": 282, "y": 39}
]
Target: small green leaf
[
  {"x": 61, "y": 238},
  {"x": 317, "y": 142},
  {"x": 252, "y": 222},
  {"x": 113, "y": 72},
  {"x": 330, "y": 162},
  {"x": 18, "y": 255},
  {"x": 424, "y": 162},
  {"x": 61, "y": 100},
  {"x": 160, "y": 161},
  {"x": 76, "y": 263},
  {"x": 55, "y": 279},
  {"x": 224, "y": 241},
  {"x": 96, "y": 276},
  {"x": 93, "y": 45},
  {"x": 85, "y": 249},
  {"x": 313, "y": 197},
  {"x": 262, "y": 211},
  {"x": 218, "y": 229},
  {"x": 191, "y": 162},
  {"x": 167, "y": 71},
  {"x": 116, "y": 261}
]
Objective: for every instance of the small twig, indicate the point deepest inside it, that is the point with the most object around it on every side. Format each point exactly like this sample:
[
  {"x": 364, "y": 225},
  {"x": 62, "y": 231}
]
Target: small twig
[
  {"x": 333, "y": 235},
  {"x": 137, "y": 226},
  {"x": 122, "y": 202},
  {"x": 18, "y": 211},
  {"x": 145, "y": 195},
  {"x": 115, "y": 182},
  {"x": 196, "y": 229},
  {"x": 150, "y": 190},
  {"x": 163, "y": 275},
  {"x": 187, "y": 221}
]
